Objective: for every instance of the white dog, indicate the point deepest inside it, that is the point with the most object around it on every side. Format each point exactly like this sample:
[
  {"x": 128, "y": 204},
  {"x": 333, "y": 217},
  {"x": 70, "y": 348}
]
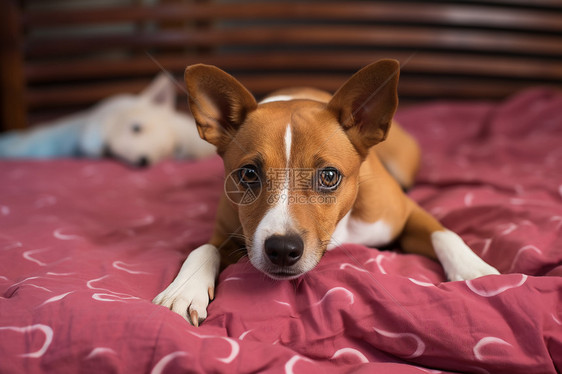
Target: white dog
[{"x": 137, "y": 129}]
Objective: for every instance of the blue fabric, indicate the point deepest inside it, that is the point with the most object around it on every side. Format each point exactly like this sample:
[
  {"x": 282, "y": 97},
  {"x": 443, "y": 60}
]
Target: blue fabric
[{"x": 44, "y": 142}]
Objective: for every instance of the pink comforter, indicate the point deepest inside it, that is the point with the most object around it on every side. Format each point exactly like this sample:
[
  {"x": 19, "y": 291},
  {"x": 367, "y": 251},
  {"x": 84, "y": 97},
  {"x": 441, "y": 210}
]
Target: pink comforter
[{"x": 85, "y": 246}]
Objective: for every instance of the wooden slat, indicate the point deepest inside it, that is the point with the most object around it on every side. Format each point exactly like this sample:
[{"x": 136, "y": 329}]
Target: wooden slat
[
  {"x": 260, "y": 84},
  {"x": 383, "y": 36},
  {"x": 486, "y": 66},
  {"x": 12, "y": 88},
  {"x": 422, "y": 62},
  {"x": 69, "y": 95},
  {"x": 423, "y": 87},
  {"x": 411, "y": 12},
  {"x": 546, "y": 4},
  {"x": 429, "y": 88}
]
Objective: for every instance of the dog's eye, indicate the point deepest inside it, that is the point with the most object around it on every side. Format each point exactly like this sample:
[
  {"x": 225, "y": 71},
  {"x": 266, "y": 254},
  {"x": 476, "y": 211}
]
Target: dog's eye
[
  {"x": 328, "y": 179},
  {"x": 136, "y": 128},
  {"x": 248, "y": 175}
]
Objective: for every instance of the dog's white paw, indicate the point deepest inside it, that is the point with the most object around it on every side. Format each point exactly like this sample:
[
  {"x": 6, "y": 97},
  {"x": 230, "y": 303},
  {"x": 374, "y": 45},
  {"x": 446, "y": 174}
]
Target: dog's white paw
[
  {"x": 473, "y": 269},
  {"x": 190, "y": 292},
  {"x": 457, "y": 259}
]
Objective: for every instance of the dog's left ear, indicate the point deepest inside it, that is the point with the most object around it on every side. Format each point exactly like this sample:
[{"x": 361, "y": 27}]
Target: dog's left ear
[
  {"x": 366, "y": 103},
  {"x": 161, "y": 91}
]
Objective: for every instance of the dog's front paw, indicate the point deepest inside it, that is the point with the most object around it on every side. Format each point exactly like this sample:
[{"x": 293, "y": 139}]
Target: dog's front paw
[
  {"x": 458, "y": 260},
  {"x": 473, "y": 268},
  {"x": 189, "y": 294},
  {"x": 188, "y": 299}
]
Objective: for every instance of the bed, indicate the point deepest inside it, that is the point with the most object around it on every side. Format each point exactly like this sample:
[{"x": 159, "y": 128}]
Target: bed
[{"x": 85, "y": 245}]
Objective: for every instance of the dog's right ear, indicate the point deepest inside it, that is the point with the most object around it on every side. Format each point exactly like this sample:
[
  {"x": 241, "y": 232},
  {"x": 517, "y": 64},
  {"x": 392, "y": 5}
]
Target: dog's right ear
[{"x": 218, "y": 102}]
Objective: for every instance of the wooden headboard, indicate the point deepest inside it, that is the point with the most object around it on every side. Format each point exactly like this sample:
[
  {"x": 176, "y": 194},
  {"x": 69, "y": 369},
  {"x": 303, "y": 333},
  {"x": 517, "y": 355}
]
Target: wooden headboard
[{"x": 65, "y": 55}]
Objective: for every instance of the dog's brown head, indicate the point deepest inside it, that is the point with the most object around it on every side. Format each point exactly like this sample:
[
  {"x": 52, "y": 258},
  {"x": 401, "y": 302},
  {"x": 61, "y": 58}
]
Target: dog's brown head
[{"x": 298, "y": 160}]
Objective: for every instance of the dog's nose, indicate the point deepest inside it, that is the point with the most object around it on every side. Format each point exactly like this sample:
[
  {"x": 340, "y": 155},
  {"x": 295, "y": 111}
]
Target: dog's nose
[
  {"x": 284, "y": 250},
  {"x": 142, "y": 162}
]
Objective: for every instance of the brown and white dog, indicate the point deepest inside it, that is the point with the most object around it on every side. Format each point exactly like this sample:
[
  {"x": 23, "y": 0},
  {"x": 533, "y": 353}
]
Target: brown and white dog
[{"x": 317, "y": 177}]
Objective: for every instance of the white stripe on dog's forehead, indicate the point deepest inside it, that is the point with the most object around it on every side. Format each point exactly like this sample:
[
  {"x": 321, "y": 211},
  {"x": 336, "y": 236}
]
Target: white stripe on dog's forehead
[
  {"x": 277, "y": 220},
  {"x": 288, "y": 141}
]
